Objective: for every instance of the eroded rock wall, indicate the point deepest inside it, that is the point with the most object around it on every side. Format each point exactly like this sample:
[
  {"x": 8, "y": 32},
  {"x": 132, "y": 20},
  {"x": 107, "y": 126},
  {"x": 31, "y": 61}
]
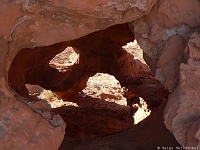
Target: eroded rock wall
[
  {"x": 163, "y": 34},
  {"x": 42, "y": 23},
  {"x": 23, "y": 128},
  {"x": 171, "y": 46},
  {"x": 34, "y": 23},
  {"x": 100, "y": 51},
  {"x": 182, "y": 113}
]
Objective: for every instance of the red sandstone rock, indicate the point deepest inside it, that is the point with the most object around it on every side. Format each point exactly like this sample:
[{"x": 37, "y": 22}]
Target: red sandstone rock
[
  {"x": 163, "y": 34},
  {"x": 29, "y": 24},
  {"x": 105, "y": 54},
  {"x": 182, "y": 113},
  {"x": 22, "y": 128},
  {"x": 169, "y": 62}
]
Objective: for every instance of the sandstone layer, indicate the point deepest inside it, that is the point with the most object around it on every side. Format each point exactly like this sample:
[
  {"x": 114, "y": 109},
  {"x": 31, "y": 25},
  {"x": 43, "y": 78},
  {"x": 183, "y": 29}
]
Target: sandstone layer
[
  {"x": 182, "y": 112},
  {"x": 29, "y": 24},
  {"x": 171, "y": 46},
  {"x": 167, "y": 31}
]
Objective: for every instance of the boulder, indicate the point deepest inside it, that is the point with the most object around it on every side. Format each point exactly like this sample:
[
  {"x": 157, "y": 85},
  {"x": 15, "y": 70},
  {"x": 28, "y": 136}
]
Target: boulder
[{"x": 169, "y": 36}]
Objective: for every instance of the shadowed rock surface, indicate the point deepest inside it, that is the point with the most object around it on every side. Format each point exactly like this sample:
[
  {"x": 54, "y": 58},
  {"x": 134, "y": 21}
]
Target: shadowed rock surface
[{"x": 33, "y": 32}]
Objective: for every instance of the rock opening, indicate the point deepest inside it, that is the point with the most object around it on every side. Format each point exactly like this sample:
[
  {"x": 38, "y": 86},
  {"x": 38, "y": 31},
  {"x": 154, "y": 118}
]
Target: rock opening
[
  {"x": 65, "y": 59},
  {"x": 32, "y": 33},
  {"x": 66, "y": 79}
]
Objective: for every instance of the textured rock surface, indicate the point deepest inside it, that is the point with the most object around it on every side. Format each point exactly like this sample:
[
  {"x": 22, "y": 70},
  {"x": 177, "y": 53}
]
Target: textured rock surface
[
  {"x": 164, "y": 34},
  {"x": 41, "y": 23},
  {"x": 22, "y": 128},
  {"x": 28, "y": 24},
  {"x": 182, "y": 113},
  {"x": 104, "y": 55}
]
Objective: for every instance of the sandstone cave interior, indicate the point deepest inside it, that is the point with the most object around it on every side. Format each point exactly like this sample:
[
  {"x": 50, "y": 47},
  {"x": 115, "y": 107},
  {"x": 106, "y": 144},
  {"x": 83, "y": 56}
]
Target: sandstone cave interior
[{"x": 93, "y": 82}]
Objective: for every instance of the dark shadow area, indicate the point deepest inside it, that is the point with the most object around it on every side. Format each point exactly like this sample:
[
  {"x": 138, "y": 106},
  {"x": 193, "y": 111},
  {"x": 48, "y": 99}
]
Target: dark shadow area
[
  {"x": 153, "y": 94},
  {"x": 150, "y": 134},
  {"x": 93, "y": 118}
]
